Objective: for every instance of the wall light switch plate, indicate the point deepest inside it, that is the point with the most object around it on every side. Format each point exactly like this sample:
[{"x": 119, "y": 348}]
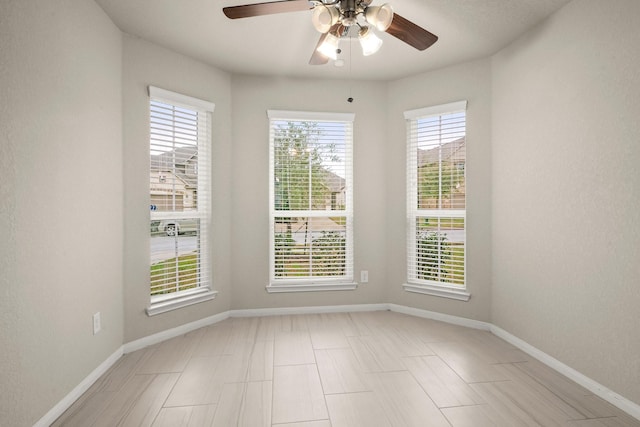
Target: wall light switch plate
[
  {"x": 364, "y": 276},
  {"x": 97, "y": 323}
]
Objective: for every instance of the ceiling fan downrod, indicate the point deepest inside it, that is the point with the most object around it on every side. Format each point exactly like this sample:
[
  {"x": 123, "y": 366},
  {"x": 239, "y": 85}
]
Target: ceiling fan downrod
[{"x": 349, "y": 13}]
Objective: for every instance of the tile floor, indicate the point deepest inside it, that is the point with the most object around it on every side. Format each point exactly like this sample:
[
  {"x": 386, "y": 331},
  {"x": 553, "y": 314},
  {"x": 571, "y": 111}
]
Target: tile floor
[{"x": 332, "y": 370}]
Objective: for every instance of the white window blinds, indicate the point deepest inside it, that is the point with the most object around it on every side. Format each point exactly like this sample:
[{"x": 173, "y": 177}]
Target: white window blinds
[
  {"x": 311, "y": 200},
  {"x": 179, "y": 183},
  {"x": 436, "y": 189}
]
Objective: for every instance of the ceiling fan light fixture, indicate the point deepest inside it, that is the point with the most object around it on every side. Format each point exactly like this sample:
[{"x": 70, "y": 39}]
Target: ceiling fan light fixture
[
  {"x": 324, "y": 17},
  {"x": 379, "y": 16},
  {"x": 369, "y": 42},
  {"x": 329, "y": 46}
]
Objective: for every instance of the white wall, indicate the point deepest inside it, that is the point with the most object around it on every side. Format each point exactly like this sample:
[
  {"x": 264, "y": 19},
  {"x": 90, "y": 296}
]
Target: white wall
[
  {"x": 252, "y": 97},
  {"x": 566, "y": 104},
  {"x": 552, "y": 190},
  {"x": 60, "y": 200},
  {"x": 471, "y": 82},
  {"x": 147, "y": 64}
]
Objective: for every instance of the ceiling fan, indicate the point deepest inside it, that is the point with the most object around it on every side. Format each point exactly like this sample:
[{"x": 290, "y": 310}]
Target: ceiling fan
[{"x": 335, "y": 19}]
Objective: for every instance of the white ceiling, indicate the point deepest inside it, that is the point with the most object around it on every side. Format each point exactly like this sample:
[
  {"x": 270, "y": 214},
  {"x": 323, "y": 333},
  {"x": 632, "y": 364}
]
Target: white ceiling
[{"x": 282, "y": 44}]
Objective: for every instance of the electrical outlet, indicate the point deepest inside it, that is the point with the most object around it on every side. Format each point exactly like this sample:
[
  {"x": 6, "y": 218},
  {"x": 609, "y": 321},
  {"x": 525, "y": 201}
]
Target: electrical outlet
[
  {"x": 364, "y": 276},
  {"x": 97, "y": 323}
]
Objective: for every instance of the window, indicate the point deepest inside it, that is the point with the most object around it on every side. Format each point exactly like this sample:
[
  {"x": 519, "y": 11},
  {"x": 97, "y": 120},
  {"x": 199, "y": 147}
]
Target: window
[
  {"x": 179, "y": 185},
  {"x": 436, "y": 208},
  {"x": 311, "y": 201}
]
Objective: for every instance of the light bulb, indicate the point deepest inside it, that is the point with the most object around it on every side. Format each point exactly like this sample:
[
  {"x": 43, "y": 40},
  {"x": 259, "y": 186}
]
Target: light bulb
[
  {"x": 329, "y": 46},
  {"x": 369, "y": 42}
]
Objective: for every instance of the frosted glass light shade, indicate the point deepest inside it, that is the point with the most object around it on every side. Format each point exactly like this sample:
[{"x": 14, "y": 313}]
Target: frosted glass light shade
[
  {"x": 329, "y": 46},
  {"x": 379, "y": 16},
  {"x": 324, "y": 17},
  {"x": 369, "y": 42}
]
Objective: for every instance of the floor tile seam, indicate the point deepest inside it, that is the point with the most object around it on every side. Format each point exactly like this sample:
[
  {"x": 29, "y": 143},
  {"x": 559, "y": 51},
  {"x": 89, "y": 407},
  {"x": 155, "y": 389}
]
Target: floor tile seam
[
  {"x": 543, "y": 399},
  {"x": 290, "y": 423},
  {"x": 212, "y": 383},
  {"x": 424, "y": 389},
  {"x": 558, "y": 395},
  {"x": 513, "y": 411},
  {"x": 324, "y": 395},
  {"x": 242, "y": 402},
  {"x": 562, "y": 397},
  {"x": 612, "y": 417},
  {"x": 373, "y": 392},
  {"x": 293, "y": 364},
  {"x": 395, "y": 371},
  {"x": 330, "y": 348},
  {"x": 159, "y": 372},
  {"x": 105, "y": 404},
  {"x": 137, "y": 396},
  {"x": 104, "y": 382},
  {"x": 250, "y": 382},
  {"x": 162, "y": 406},
  {"x": 130, "y": 403},
  {"x": 323, "y": 398},
  {"x": 140, "y": 363},
  {"x": 508, "y": 380},
  {"x": 548, "y": 400},
  {"x": 349, "y": 392},
  {"x": 448, "y": 365},
  {"x": 165, "y": 406},
  {"x": 247, "y": 366},
  {"x": 408, "y": 371},
  {"x": 454, "y": 372},
  {"x": 473, "y": 405},
  {"x": 526, "y": 409},
  {"x": 188, "y": 406}
]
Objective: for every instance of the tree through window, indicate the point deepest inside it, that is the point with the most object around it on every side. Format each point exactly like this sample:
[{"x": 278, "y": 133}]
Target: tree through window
[
  {"x": 436, "y": 194},
  {"x": 311, "y": 201}
]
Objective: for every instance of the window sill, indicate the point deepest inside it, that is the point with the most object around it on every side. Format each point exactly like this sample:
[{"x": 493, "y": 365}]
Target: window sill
[
  {"x": 310, "y": 287},
  {"x": 172, "y": 302},
  {"x": 438, "y": 291}
]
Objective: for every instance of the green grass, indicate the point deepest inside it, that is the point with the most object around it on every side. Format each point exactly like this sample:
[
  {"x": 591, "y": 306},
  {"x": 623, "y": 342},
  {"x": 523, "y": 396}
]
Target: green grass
[
  {"x": 456, "y": 263},
  {"x": 447, "y": 269},
  {"x": 445, "y": 223},
  {"x": 297, "y": 264},
  {"x": 165, "y": 279},
  {"x": 340, "y": 220}
]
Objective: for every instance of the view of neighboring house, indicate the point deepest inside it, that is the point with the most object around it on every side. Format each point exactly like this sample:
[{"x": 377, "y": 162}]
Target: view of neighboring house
[
  {"x": 335, "y": 185},
  {"x": 174, "y": 179},
  {"x": 447, "y": 184},
  {"x": 333, "y": 198},
  {"x": 332, "y": 194}
]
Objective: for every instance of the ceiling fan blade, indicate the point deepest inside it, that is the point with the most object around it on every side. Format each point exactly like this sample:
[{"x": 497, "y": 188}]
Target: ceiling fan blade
[
  {"x": 411, "y": 33},
  {"x": 268, "y": 8}
]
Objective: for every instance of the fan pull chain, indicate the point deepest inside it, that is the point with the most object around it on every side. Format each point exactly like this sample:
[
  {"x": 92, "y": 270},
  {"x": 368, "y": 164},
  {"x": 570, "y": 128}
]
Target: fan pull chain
[{"x": 350, "y": 99}]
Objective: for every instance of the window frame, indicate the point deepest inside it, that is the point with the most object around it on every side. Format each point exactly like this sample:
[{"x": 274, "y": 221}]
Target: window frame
[
  {"x": 203, "y": 292},
  {"x": 313, "y": 284},
  {"x": 413, "y": 212}
]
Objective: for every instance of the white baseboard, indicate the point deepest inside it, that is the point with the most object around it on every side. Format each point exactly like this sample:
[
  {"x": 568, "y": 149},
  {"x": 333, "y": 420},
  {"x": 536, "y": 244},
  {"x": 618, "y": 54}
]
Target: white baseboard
[
  {"x": 434, "y": 315},
  {"x": 255, "y": 312},
  {"x": 189, "y": 327},
  {"x": 599, "y": 390},
  {"x": 79, "y": 390},
  {"x": 173, "y": 332},
  {"x": 596, "y": 388}
]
